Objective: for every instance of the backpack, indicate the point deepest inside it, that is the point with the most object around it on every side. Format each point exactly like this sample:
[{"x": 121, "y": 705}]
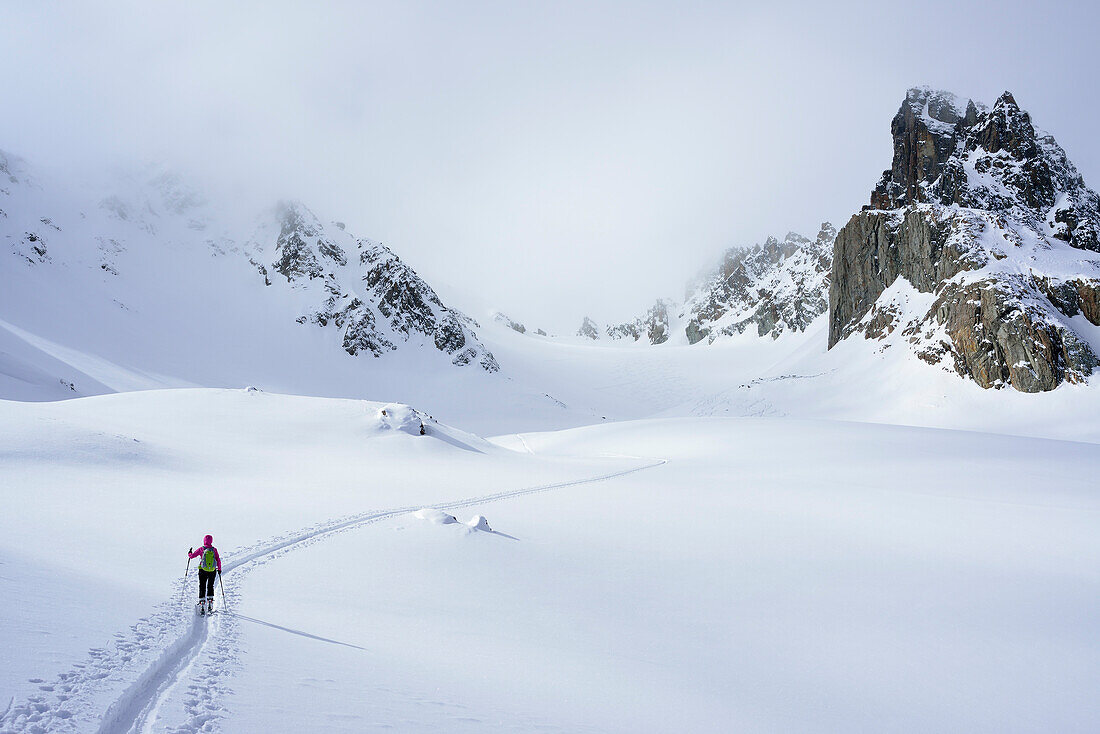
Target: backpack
[{"x": 208, "y": 563}]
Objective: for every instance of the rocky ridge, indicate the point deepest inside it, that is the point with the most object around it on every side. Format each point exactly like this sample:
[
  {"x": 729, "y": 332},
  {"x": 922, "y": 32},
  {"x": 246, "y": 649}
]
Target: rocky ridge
[
  {"x": 356, "y": 286},
  {"x": 772, "y": 288},
  {"x": 362, "y": 288},
  {"x": 987, "y": 216}
]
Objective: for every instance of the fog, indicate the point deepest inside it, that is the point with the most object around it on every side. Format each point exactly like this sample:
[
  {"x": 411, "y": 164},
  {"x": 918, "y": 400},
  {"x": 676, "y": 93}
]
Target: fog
[{"x": 548, "y": 159}]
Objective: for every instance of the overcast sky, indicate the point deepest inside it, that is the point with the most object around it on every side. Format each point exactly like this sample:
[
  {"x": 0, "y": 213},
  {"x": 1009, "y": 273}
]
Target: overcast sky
[{"x": 549, "y": 159}]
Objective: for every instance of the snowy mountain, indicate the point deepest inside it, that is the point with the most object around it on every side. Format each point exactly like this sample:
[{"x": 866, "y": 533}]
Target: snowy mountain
[
  {"x": 212, "y": 300},
  {"x": 774, "y": 288},
  {"x": 361, "y": 288},
  {"x": 771, "y": 288},
  {"x": 980, "y": 247}
]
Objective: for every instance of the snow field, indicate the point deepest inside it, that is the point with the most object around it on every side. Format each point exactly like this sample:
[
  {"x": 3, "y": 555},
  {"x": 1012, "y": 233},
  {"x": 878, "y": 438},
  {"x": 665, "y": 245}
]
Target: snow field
[
  {"x": 111, "y": 490},
  {"x": 670, "y": 574},
  {"x": 887, "y": 579}
]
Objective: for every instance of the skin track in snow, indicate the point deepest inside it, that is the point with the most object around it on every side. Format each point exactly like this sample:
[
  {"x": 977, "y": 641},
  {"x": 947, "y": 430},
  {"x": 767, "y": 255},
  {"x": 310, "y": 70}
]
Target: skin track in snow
[{"x": 137, "y": 708}]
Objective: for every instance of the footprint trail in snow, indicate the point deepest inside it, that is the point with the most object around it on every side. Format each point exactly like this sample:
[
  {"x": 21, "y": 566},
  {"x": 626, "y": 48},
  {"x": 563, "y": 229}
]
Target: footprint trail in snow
[{"x": 129, "y": 686}]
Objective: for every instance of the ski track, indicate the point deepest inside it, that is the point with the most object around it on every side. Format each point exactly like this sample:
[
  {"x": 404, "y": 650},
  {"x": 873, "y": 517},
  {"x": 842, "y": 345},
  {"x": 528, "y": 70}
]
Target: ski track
[{"x": 158, "y": 652}]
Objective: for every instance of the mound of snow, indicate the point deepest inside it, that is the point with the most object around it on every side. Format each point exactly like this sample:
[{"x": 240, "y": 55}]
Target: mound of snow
[
  {"x": 478, "y": 522},
  {"x": 432, "y": 515},
  {"x": 439, "y": 517},
  {"x": 397, "y": 417}
]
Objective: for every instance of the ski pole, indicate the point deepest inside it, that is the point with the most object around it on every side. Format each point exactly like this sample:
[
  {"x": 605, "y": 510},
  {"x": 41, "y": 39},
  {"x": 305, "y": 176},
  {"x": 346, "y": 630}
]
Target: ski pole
[
  {"x": 183, "y": 595},
  {"x": 222, "y": 585}
]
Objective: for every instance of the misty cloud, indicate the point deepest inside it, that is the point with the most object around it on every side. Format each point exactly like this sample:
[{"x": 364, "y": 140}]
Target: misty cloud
[{"x": 549, "y": 159}]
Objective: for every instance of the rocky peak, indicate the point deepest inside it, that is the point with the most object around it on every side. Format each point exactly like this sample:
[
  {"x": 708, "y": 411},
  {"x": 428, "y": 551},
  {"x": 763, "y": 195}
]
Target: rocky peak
[
  {"x": 986, "y": 158},
  {"x": 826, "y": 235},
  {"x": 924, "y": 131},
  {"x": 302, "y": 246},
  {"x": 657, "y": 325},
  {"x": 976, "y": 210},
  {"x": 1006, "y": 127}
]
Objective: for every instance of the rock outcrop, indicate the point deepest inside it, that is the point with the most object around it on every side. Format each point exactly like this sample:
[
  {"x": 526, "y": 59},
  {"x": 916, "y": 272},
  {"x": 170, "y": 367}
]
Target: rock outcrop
[{"x": 988, "y": 216}]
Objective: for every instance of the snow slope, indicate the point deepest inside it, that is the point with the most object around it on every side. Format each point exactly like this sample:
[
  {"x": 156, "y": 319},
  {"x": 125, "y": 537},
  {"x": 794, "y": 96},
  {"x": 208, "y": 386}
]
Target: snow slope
[
  {"x": 144, "y": 284},
  {"x": 794, "y": 375},
  {"x": 675, "y": 574},
  {"x": 108, "y": 490},
  {"x": 883, "y": 382}
]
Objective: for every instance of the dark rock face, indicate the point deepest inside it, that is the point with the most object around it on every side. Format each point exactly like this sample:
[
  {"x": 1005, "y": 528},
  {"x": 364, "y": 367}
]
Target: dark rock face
[
  {"x": 877, "y": 247},
  {"x": 1001, "y": 337},
  {"x": 379, "y": 304},
  {"x": 923, "y": 131},
  {"x": 298, "y": 239},
  {"x": 991, "y": 218},
  {"x": 979, "y": 158},
  {"x": 775, "y": 287}
]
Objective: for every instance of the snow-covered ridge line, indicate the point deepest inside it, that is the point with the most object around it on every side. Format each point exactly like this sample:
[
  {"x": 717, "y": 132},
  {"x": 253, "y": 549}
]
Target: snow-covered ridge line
[
  {"x": 773, "y": 288},
  {"x": 86, "y": 268},
  {"x": 129, "y": 712}
]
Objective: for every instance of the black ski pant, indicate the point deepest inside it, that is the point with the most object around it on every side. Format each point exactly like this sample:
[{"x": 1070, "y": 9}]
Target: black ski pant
[{"x": 206, "y": 583}]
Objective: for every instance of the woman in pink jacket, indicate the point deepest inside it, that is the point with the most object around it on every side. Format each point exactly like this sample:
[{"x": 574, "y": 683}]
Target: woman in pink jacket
[{"x": 210, "y": 565}]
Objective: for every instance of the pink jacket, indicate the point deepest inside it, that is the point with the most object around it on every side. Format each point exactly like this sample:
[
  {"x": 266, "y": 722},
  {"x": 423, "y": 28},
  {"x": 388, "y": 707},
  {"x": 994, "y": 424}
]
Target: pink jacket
[{"x": 207, "y": 542}]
